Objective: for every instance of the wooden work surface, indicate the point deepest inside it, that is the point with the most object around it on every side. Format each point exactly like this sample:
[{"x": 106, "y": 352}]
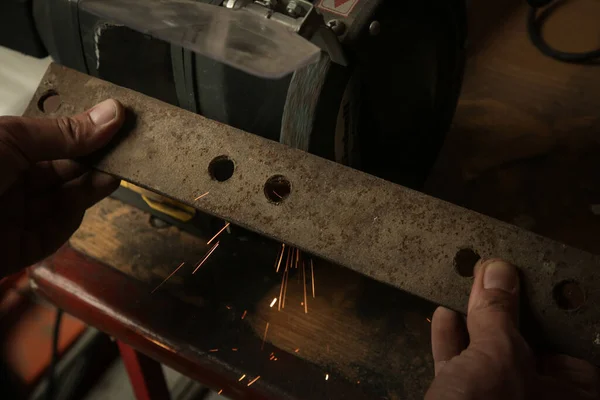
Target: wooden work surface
[{"x": 524, "y": 148}]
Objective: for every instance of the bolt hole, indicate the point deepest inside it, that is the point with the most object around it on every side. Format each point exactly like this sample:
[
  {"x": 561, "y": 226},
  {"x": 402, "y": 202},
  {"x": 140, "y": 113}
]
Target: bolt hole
[
  {"x": 49, "y": 102},
  {"x": 277, "y": 188},
  {"x": 569, "y": 295},
  {"x": 465, "y": 261},
  {"x": 221, "y": 168}
]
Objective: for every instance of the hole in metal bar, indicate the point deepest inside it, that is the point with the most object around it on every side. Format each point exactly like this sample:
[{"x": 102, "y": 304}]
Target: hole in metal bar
[
  {"x": 221, "y": 168},
  {"x": 49, "y": 102},
  {"x": 277, "y": 188},
  {"x": 569, "y": 295},
  {"x": 464, "y": 262}
]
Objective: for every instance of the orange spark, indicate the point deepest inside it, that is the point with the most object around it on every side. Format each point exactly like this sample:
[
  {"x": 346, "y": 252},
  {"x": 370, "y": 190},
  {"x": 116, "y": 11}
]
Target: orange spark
[
  {"x": 244, "y": 314},
  {"x": 280, "y": 257},
  {"x": 228, "y": 307},
  {"x": 265, "y": 336},
  {"x": 242, "y": 378},
  {"x": 206, "y": 257},
  {"x": 287, "y": 279},
  {"x": 234, "y": 349},
  {"x": 290, "y": 252},
  {"x": 220, "y": 391},
  {"x": 428, "y": 320},
  {"x": 277, "y": 194},
  {"x": 201, "y": 196},
  {"x": 254, "y": 380},
  {"x": 281, "y": 288},
  {"x": 312, "y": 273},
  {"x": 297, "y": 257},
  {"x": 273, "y": 302},
  {"x": 218, "y": 233},
  {"x": 304, "y": 277},
  {"x": 168, "y": 277},
  {"x": 297, "y": 350},
  {"x": 213, "y": 350}
]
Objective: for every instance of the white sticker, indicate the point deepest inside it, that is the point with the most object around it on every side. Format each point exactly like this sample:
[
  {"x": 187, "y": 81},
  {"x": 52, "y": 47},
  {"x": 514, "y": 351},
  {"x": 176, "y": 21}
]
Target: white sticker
[{"x": 341, "y": 7}]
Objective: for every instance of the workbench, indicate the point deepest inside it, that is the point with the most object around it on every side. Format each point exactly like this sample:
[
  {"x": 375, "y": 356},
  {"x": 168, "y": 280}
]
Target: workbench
[{"x": 523, "y": 149}]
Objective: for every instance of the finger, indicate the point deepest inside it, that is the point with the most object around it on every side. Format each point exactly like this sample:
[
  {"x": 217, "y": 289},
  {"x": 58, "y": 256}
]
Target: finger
[
  {"x": 47, "y": 236},
  {"x": 85, "y": 191},
  {"x": 48, "y": 174},
  {"x": 494, "y": 301},
  {"x": 73, "y": 197},
  {"x": 578, "y": 373},
  {"x": 30, "y": 140},
  {"x": 448, "y": 336}
]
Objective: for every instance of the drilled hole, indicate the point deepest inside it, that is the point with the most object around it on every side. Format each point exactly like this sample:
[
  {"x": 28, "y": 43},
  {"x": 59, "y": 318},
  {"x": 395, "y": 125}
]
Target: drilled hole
[
  {"x": 49, "y": 102},
  {"x": 221, "y": 168},
  {"x": 464, "y": 262},
  {"x": 569, "y": 295},
  {"x": 277, "y": 188}
]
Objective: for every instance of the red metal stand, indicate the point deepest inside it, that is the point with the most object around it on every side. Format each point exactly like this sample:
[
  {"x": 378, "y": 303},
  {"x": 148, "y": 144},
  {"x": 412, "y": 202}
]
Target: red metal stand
[{"x": 145, "y": 374}]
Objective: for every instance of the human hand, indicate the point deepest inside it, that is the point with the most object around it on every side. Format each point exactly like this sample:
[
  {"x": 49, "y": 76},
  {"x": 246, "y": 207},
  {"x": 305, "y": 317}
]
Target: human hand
[
  {"x": 43, "y": 192},
  {"x": 489, "y": 359}
]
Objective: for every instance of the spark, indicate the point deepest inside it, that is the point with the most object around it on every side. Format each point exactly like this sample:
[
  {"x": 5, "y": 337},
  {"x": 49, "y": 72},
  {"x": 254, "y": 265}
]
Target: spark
[
  {"x": 312, "y": 273},
  {"x": 358, "y": 382},
  {"x": 201, "y": 196},
  {"x": 428, "y": 320},
  {"x": 281, "y": 289},
  {"x": 287, "y": 260},
  {"x": 297, "y": 350},
  {"x": 304, "y": 278},
  {"x": 242, "y": 378},
  {"x": 206, "y": 257},
  {"x": 213, "y": 350},
  {"x": 326, "y": 377},
  {"x": 277, "y": 194},
  {"x": 244, "y": 314},
  {"x": 273, "y": 302},
  {"x": 280, "y": 257},
  {"x": 220, "y": 391},
  {"x": 228, "y": 307},
  {"x": 287, "y": 279},
  {"x": 253, "y": 380},
  {"x": 297, "y": 257},
  {"x": 265, "y": 336},
  {"x": 234, "y": 349},
  {"x": 168, "y": 277},
  {"x": 218, "y": 233}
]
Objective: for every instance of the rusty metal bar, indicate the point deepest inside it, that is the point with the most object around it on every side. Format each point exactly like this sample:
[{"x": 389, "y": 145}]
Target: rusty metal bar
[{"x": 379, "y": 229}]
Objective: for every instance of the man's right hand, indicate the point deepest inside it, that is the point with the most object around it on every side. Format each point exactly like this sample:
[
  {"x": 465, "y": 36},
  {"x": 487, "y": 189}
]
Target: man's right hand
[{"x": 487, "y": 358}]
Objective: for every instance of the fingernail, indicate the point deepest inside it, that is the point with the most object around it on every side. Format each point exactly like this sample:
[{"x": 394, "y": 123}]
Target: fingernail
[
  {"x": 500, "y": 275},
  {"x": 103, "y": 113}
]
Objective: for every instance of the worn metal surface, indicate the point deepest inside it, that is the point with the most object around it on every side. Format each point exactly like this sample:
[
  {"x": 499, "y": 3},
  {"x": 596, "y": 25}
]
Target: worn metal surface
[{"x": 387, "y": 232}]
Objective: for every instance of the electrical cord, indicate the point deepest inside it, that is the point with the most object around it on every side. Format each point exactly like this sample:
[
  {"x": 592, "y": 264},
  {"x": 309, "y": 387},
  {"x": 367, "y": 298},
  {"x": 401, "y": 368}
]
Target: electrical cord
[
  {"x": 51, "y": 386},
  {"x": 536, "y": 20}
]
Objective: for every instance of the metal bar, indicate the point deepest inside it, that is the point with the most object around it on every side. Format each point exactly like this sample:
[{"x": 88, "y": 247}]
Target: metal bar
[{"x": 382, "y": 230}]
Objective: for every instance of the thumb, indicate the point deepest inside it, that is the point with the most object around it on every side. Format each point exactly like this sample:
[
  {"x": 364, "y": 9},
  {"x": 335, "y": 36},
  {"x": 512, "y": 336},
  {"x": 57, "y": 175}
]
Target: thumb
[
  {"x": 494, "y": 302},
  {"x": 28, "y": 140}
]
